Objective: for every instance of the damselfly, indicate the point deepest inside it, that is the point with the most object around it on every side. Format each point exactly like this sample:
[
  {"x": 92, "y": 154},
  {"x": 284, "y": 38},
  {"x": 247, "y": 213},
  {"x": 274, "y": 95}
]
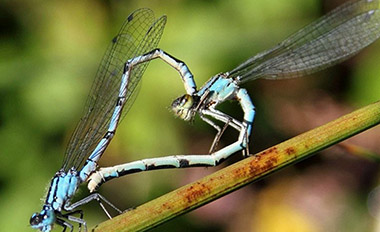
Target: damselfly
[
  {"x": 327, "y": 41},
  {"x": 111, "y": 95}
]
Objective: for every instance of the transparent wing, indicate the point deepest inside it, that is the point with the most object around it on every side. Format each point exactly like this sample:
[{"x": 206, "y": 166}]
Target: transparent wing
[
  {"x": 331, "y": 39},
  {"x": 139, "y": 34}
]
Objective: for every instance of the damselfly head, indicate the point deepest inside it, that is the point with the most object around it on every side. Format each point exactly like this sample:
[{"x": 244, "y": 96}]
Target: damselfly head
[
  {"x": 44, "y": 220},
  {"x": 183, "y": 107}
]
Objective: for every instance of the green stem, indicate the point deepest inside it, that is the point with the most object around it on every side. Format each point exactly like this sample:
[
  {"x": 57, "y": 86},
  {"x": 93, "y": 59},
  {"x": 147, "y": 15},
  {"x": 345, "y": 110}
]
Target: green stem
[{"x": 242, "y": 173}]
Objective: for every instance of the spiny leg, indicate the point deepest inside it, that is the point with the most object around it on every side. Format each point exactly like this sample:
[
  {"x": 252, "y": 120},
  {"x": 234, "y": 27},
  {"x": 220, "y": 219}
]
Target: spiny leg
[
  {"x": 80, "y": 221},
  {"x": 245, "y": 151},
  {"x": 244, "y": 127},
  {"x": 219, "y": 133},
  {"x": 98, "y": 198},
  {"x": 225, "y": 118},
  {"x": 69, "y": 217},
  {"x": 64, "y": 224}
]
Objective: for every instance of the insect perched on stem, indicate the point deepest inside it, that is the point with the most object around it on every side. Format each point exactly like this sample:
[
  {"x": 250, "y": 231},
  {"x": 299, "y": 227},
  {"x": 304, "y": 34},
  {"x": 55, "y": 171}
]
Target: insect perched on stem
[{"x": 331, "y": 39}]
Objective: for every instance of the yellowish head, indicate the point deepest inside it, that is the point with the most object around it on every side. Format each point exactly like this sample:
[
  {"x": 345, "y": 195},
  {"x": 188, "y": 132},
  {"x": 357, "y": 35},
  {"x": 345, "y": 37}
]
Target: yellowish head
[{"x": 183, "y": 107}]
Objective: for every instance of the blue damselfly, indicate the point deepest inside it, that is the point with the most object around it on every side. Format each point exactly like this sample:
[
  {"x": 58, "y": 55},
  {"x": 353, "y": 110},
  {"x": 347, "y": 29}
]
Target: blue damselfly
[
  {"x": 111, "y": 95},
  {"x": 329, "y": 40}
]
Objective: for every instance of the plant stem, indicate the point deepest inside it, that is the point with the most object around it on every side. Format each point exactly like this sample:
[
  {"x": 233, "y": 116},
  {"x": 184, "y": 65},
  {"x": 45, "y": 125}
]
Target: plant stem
[{"x": 237, "y": 175}]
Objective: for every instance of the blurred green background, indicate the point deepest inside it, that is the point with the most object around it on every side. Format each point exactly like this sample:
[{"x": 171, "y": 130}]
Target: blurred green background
[{"x": 49, "y": 55}]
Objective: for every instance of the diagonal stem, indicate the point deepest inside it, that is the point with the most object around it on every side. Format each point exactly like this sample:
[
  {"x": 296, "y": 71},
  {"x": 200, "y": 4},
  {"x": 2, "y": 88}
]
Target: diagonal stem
[{"x": 237, "y": 175}]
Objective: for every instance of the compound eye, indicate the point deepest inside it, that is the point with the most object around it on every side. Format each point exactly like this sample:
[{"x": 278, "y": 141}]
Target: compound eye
[
  {"x": 184, "y": 102},
  {"x": 35, "y": 219},
  {"x": 187, "y": 101},
  {"x": 182, "y": 107}
]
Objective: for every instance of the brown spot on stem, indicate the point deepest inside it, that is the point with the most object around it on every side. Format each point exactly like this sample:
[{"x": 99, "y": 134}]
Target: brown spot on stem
[
  {"x": 290, "y": 151},
  {"x": 269, "y": 151},
  {"x": 195, "y": 192},
  {"x": 166, "y": 206},
  {"x": 256, "y": 167}
]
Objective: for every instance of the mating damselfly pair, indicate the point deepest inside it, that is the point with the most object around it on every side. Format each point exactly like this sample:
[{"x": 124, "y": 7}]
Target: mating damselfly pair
[{"x": 331, "y": 39}]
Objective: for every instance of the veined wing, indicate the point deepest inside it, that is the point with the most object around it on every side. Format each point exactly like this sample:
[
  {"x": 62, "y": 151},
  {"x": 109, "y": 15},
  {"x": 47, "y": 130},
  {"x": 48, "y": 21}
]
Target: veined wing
[
  {"x": 139, "y": 34},
  {"x": 329, "y": 40}
]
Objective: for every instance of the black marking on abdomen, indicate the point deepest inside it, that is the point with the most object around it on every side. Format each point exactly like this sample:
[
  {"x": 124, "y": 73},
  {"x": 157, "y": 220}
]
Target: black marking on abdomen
[
  {"x": 126, "y": 66},
  {"x": 183, "y": 163},
  {"x": 109, "y": 134},
  {"x": 248, "y": 122},
  {"x": 220, "y": 161},
  {"x": 127, "y": 172},
  {"x": 120, "y": 101},
  {"x": 154, "y": 167}
]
